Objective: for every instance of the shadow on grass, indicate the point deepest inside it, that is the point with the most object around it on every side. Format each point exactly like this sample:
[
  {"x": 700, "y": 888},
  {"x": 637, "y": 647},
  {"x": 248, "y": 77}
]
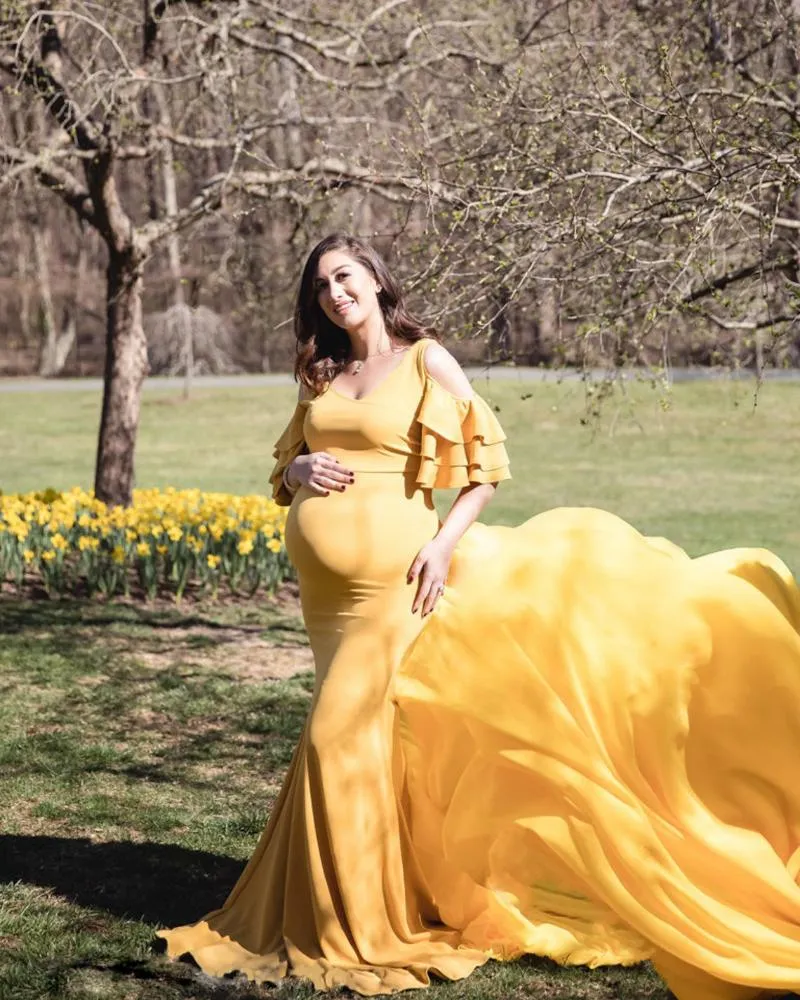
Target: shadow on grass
[
  {"x": 170, "y": 885},
  {"x": 155, "y": 883},
  {"x": 17, "y": 616},
  {"x": 166, "y": 978}
]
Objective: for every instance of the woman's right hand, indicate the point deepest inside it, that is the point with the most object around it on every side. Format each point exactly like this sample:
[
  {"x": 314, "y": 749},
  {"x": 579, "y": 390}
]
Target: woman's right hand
[{"x": 321, "y": 472}]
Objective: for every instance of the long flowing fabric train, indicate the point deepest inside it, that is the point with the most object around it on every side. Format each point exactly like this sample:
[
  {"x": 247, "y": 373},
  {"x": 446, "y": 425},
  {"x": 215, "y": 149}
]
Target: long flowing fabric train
[{"x": 587, "y": 752}]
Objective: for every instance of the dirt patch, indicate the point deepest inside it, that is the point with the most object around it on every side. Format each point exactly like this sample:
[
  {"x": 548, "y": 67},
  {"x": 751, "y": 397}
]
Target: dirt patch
[
  {"x": 145, "y": 719},
  {"x": 261, "y": 662},
  {"x": 250, "y": 658}
]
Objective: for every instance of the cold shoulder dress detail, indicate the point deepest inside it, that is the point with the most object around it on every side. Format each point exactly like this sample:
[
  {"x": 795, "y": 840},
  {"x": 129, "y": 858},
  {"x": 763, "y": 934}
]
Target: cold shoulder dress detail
[{"x": 589, "y": 751}]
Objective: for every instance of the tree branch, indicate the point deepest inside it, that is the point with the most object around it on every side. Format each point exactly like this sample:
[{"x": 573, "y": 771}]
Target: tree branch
[
  {"x": 209, "y": 199},
  {"x": 53, "y": 177},
  {"x": 731, "y": 277},
  {"x": 61, "y": 107},
  {"x": 779, "y": 221},
  {"x": 403, "y": 69},
  {"x": 330, "y": 172},
  {"x": 760, "y": 324}
]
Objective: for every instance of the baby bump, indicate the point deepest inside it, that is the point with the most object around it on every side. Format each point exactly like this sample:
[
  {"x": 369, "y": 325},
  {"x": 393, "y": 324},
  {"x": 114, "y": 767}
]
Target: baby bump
[{"x": 370, "y": 532}]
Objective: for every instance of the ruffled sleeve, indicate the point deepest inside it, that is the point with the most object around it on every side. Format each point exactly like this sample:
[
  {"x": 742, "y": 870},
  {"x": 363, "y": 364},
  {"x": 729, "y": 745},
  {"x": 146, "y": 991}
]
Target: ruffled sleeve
[
  {"x": 288, "y": 446},
  {"x": 461, "y": 441}
]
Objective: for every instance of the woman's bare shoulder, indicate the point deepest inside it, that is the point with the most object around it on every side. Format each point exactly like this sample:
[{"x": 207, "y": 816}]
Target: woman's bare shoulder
[{"x": 444, "y": 369}]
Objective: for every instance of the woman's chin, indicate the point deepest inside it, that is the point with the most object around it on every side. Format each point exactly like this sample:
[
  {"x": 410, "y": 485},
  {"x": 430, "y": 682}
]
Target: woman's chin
[{"x": 344, "y": 322}]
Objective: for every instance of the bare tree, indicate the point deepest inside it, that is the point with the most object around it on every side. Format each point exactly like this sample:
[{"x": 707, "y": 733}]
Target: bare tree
[
  {"x": 641, "y": 161},
  {"x": 611, "y": 180},
  {"x": 218, "y": 51}
]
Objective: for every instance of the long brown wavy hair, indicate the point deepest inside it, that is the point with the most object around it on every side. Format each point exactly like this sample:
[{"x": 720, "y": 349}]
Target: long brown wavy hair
[{"x": 323, "y": 348}]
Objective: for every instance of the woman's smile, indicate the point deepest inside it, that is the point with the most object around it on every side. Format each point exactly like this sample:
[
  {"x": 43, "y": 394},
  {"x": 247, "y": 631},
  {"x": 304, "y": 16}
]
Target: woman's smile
[{"x": 346, "y": 290}]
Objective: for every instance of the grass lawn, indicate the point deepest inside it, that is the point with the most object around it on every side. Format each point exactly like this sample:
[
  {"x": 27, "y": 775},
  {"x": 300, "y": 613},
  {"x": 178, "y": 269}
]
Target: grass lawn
[
  {"x": 141, "y": 751},
  {"x": 701, "y": 465},
  {"x": 141, "y": 747}
]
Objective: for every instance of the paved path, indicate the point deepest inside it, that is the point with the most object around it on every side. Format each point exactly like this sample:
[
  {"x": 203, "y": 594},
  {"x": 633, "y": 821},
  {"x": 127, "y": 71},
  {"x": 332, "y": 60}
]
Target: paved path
[{"x": 499, "y": 373}]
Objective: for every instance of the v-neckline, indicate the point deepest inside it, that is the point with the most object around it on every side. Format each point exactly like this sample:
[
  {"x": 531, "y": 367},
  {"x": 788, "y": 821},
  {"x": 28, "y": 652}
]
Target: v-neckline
[{"x": 383, "y": 381}]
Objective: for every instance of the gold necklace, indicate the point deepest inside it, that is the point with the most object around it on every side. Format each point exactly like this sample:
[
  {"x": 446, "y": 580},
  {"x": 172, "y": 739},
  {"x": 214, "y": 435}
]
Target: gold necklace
[{"x": 358, "y": 364}]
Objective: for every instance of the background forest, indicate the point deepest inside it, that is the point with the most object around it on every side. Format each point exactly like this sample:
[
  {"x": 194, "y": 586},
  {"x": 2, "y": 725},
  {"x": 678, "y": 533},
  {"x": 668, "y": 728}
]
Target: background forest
[
  {"x": 556, "y": 181},
  {"x": 564, "y": 181}
]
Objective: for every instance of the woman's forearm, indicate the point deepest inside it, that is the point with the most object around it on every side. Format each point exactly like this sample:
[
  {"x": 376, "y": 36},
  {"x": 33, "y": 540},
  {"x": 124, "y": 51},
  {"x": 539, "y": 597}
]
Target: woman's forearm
[{"x": 468, "y": 505}]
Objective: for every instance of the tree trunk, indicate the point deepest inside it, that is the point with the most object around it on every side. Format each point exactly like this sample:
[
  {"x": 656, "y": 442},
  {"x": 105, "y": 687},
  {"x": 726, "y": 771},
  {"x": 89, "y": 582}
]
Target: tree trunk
[
  {"x": 794, "y": 56},
  {"x": 170, "y": 192},
  {"x": 19, "y": 240},
  {"x": 56, "y": 343},
  {"x": 500, "y": 335},
  {"x": 174, "y": 253},
  {"x": 546, "y": 323},
  {"x": 125, "y": 370},
  {"x": 47, "y": 318}
]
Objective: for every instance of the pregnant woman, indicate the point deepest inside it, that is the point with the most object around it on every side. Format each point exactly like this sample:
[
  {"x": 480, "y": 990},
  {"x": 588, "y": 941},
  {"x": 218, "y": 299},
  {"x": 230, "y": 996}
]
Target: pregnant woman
[{"x": 562, "y": 738}]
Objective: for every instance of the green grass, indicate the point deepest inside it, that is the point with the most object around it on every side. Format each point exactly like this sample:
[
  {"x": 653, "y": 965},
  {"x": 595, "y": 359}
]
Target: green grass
[
  {"x": 138, "y": 764},
  {"x": 141, "y": 747},
  {"x": 137, "y": 767},
  {"x": 701, "y": 464}
]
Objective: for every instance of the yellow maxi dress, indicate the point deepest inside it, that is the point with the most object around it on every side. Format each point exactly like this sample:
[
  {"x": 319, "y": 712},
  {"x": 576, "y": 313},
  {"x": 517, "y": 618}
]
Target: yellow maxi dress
[{"x": 589, "y": 751}]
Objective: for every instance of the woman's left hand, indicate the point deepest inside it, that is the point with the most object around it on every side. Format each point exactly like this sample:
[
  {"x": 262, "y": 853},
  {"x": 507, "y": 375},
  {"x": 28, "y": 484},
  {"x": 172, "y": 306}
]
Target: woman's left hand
[{"x": 431, "y": 566}]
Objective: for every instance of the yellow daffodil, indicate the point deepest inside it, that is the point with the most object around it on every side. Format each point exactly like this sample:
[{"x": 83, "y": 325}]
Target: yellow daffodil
[{"x": 63, "y": 525}]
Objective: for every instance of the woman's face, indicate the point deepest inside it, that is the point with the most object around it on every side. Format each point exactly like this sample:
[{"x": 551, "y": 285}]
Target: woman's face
[{"x": 347, "y": 291}]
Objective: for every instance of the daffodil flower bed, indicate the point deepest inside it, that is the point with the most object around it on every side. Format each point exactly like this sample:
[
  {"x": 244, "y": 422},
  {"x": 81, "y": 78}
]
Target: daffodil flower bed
[{"x": 166, "y": 541}]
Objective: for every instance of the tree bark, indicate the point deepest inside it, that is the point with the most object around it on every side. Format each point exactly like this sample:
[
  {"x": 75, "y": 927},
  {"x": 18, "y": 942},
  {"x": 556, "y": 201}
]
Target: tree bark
[
  {"x": 56, "y": 341},
  {"x": 500, "y": 335},
  {"x": 170, "y": 189},
  {"x": 47, "y": 316},
  {"x": 125, "y": 371},
  {"x": 23, "y": 282},
  {"x": 169, "y": 186}
]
